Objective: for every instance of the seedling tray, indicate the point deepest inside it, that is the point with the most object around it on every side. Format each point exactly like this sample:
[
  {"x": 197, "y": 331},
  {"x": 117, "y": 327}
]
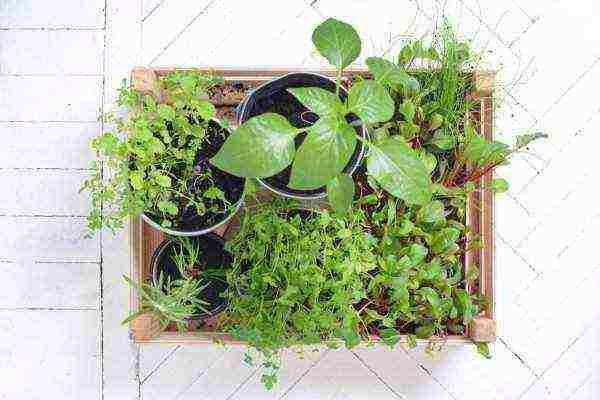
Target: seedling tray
[{"x": 145, "y": 239}]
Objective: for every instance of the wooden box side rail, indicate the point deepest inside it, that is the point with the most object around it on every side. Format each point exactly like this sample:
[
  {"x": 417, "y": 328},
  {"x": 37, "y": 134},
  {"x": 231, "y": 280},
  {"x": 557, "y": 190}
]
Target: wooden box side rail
[{"x": 144, "y": 239}]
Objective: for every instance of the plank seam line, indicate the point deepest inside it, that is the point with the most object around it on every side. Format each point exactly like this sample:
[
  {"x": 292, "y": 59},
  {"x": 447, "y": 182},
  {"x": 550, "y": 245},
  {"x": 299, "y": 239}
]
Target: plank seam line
[
  {"x": 302, "y": 375},
  {"x": 241, "y": 385},
  {"x": 161, "y": 363},
  {"x": 585, "y": 380},
  {"x": 560, "y": 356},
  {"x": 152, "y": 11},
  {"x": 518, "y": 357},
  {"x": 579, "y": 131},
  {"x": 185, "y": 28},
  {"x": 428, "y": 372},
  {"x": 379, "y": 378},
  {"x": 197, "y": 377}
]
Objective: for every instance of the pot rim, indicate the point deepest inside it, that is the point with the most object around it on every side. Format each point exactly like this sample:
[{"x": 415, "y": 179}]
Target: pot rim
[
  {"x": 201, "y": 315},
  {"x": 364, "y": 132}
]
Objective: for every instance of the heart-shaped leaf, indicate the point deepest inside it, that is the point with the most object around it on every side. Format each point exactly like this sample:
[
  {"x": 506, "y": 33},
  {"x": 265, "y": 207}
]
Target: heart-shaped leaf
[
  {"x": 340, "y": 192},
  {"x": 318, "y": 100},
  {"x": 399, "y": 170},
  {"x": 323, "y": 154},
  {"x": 371, "y": 102},
  {"x": 338, "y": 42},
  {"x": 259, "y": 148}
]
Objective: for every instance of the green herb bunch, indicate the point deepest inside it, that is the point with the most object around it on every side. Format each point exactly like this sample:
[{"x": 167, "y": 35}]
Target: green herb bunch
[
  {"x": 169, "y": 301},
  {"x": 299, "y": 276},
  {"x": 148, "y": 162},
  {"x": 419, "y": 287}
]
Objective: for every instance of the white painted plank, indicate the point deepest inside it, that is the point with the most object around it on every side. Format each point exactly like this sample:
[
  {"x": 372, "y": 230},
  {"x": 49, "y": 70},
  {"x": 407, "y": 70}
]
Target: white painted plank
[
  {"x": 121, "y": 355},
  {"x": 576, "y": 366},
  {"x": 221, "y": 379},
  {"x": 589, "y": 389},
  {"x": 579, "y": 47},
  {"x": 51, "y": 52},
  {"x": 295, "y": 364},
  {"x": 240, "y": 41},
  {"x": 58, "y": 188},
  {"x": 49, "y": 355},
  {"x": 121, "y": 368},
  {"x": 54, "y": 14},
  {"x": 47, "y": 239},
  {"x": 168, "y": 22},
  {"x": 47, "y": 145},
  {"x": 49, "y": 98},
  {"x": 402, "y": 373},
  {"x": 340, "y": 375},
  {"x": 467, "y": 375},
  {"x": 52, "y": 285},
  {"x": 175, "y": 377}
]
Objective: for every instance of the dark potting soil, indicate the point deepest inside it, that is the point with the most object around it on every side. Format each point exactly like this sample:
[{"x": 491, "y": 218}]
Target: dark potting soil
[
  {"x": 274, "y": 97},
  {"x": 232, "y": 186},
  {"x": 213, "y": 256}
]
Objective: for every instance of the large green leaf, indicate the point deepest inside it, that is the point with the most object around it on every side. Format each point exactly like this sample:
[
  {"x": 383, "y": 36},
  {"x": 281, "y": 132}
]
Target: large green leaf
[
  {"x": 371, "y": 102},
  {"x": 338, "y": 42},
  {"x": 318, "y": 100},
  {"x": 340, "y": 192},
  {"x": 390, "y": 74},
  {"x": 398, "y": 169},
  {"x": 260, "y": 147},
  {"x": 323, "y": 154}
]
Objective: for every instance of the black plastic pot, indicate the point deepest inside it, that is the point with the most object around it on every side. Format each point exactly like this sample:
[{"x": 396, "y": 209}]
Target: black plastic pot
[
  {"x": 192, "y": 224},
  {"x": 212, "y": 254},
  {"x": 274, "y": 97}
]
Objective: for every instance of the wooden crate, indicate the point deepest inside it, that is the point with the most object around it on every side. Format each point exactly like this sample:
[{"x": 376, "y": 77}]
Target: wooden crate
[{"x": 145, "y": 239}]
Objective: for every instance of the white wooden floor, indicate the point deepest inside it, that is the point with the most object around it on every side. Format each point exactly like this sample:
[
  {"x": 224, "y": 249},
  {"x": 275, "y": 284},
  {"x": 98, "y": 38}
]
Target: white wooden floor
[{"x": 62, "y": 298}]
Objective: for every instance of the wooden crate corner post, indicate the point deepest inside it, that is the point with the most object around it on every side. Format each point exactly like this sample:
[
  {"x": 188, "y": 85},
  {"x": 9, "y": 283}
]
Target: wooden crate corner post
[
  {"x": 145, "y": 327},
  {"x": 484, "y": 83},
  {"x": 483, "y": 330}
]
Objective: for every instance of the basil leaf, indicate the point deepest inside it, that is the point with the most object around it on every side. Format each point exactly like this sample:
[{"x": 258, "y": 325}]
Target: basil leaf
[
  {"x": 260, "y": 147},
  {"x": 371, "y": 102},
  {"x": 318, "y": 100},
  {"x": 323, "y": 154},
  {"x": 398, "y": 169},
  {"x": 338, "y": 42},
  {"x": 340, "y": 192}
]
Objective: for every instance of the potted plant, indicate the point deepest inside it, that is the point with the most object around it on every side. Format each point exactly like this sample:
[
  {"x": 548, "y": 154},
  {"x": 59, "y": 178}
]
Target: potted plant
[
  {"x": 155, "y": 162},
  {"x": 311, "y": 113},
  {"x": 199, "y": 258},
  {"x": 188, "y": 282}
]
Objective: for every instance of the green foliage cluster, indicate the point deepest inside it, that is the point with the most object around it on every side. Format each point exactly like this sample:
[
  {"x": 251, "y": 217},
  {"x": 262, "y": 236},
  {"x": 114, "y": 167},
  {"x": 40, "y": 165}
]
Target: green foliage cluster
[
  {"x": 389, "y": 261},
  {"x": 148, "y": 162},
  {"x": 170, "y": 301}
]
